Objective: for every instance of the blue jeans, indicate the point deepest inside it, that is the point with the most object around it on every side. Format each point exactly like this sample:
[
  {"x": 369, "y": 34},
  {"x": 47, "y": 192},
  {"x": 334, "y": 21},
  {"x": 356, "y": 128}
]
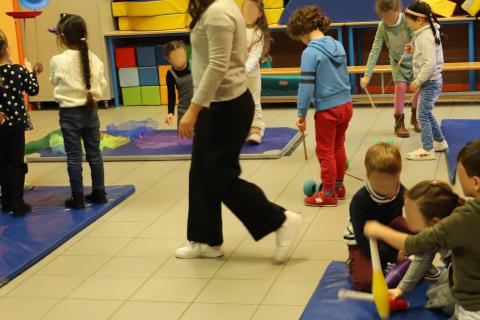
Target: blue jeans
[
  {"x": 79, "y": 124},
  {"x": 429, "y": 93}
]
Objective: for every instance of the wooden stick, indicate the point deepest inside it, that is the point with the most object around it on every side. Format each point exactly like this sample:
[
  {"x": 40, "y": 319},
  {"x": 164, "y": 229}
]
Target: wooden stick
[
  {"x": 354, "y": 176},
  {"x": 371, "y": 100},
  {"x": 304, "y": 144},
  {"x": 401, "y": 59}
]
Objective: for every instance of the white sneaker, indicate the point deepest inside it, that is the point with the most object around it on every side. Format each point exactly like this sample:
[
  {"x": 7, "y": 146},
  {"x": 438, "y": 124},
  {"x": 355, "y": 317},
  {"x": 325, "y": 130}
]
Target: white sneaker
[
  {"x": 27, "y": 186},
  {"x": 286, "y": 235},
  {"x": 421, "y": 155},
  {"x": 194, "y": 250},
  {"x": 255, "y": 137},
  {"x": 440, "y": 146}
]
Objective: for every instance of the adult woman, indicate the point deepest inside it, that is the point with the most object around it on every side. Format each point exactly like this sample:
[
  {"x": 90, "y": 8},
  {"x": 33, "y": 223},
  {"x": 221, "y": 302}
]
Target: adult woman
[{"x": 219, "y": 118}]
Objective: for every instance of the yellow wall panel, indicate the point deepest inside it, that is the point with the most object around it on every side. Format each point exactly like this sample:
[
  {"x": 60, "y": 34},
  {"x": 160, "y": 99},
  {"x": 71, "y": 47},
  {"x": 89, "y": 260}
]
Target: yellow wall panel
[
  {"x": 149, "y": 9},
  {"x": 158, "y": 23}
]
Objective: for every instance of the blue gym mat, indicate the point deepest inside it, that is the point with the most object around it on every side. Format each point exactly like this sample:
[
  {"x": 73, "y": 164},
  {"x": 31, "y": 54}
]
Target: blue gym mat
[
  {"x": 458, "y": 133},
  {"x": 24, "y": 241},
  {"x": 324, "y": 304},
  {"x": 166, "y": 145},
  {"x": 357, "y": 10}
]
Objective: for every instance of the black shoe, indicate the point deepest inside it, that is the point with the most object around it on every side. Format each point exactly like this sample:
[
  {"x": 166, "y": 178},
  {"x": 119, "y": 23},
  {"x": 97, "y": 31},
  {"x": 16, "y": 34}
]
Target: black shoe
[
  {"x": 97, "y": 196},
  {"x": 22, "y": 210},
  {"x": 76, "y": 202},
  {"x": 433, "y": 273}
]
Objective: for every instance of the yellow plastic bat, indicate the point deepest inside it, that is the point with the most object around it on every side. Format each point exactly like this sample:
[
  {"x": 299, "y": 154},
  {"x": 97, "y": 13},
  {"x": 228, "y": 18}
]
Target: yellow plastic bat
[{"x": 379, "y": 285}]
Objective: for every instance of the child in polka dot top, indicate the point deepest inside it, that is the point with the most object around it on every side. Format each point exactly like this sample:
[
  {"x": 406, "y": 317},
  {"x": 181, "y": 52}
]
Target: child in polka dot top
[{"x": 14, "y": 80}]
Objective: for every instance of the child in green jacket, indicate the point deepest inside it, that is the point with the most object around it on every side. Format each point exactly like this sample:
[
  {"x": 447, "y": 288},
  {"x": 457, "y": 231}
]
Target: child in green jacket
[{"x": 394, "y": 32}]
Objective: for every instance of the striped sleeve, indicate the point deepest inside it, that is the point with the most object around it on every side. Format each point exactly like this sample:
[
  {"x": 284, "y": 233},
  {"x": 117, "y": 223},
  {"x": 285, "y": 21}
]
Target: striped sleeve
[
  {"x": 417, "y": 270},
  {"x": 306, "y": 89},
  {"x": 349, "y": 236}
]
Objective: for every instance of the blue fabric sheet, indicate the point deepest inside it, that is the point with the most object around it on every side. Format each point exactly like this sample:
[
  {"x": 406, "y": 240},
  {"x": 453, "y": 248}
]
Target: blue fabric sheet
[
  {"x": 458, "y": 133},
  {"x": 275, "y": 139},
  {"x": 26, "y": 240},
  {"x": 324, "y": 304}
]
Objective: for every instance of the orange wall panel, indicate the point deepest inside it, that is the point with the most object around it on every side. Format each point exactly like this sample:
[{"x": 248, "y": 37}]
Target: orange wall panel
[{"x": 7, "y": 25}]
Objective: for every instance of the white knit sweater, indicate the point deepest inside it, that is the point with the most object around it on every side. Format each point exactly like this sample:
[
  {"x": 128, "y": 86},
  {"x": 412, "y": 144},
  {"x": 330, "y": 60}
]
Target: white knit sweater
[
  {"x": 66, "y": 74},
  {"x": 219, "y": 52}
]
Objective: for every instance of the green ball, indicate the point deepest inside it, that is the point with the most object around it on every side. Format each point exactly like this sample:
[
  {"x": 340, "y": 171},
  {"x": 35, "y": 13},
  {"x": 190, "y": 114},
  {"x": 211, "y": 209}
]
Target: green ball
[{"x": 309, "y": 187}]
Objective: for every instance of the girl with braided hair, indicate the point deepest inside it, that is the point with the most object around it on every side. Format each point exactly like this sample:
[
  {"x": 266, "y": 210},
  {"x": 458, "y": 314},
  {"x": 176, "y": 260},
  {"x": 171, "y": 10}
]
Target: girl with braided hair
[
  {"x": 427, "y": 70},
  {"x": 78, "y": 77}
]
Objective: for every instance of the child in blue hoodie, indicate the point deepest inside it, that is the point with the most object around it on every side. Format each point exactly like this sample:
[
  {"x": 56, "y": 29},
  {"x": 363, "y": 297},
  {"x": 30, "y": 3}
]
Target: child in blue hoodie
[{"x": 325, "y": 82}]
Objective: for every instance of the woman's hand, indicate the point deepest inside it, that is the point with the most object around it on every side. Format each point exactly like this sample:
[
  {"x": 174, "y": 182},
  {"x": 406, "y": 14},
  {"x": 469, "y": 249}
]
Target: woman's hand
[
  {"x": 187, "y": 124},
  {"x": 3, "y": 118},
  {"x": 302, "y": 124},
  {"x": 169, "y": 119},
  {"x": 364, "y": 82}
]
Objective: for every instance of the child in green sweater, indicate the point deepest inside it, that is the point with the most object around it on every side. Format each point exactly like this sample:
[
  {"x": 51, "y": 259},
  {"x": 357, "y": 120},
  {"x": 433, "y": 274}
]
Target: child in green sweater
[
  {"x": 394, "y": 32},
  {"x": 458, "y": 233},
  {"x": 435, "y": 201}
]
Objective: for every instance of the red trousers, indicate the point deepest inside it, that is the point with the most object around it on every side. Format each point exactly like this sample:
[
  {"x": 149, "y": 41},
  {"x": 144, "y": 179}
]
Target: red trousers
[
  {"x": 330, "y": 128},
  {"x": 360, "y": 265}
]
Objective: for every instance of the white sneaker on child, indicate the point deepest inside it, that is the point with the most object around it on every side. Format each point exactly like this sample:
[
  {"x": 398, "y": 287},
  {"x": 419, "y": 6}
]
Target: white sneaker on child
[
  {"x": 286, "y": 234},
  {"x": 194, "y": 250},
  {"x": 440, "y": 146},
  {"x": 421, "y": 155}
]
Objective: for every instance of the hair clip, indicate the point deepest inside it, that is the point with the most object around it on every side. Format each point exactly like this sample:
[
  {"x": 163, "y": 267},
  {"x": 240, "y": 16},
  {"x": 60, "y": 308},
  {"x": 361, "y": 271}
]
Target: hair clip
[
  {"x": 417, "y": 14},
  {"x": 435, "y": 183},
  {"x": 388, "y": 141},
  {"x": 83, "y": 39}
]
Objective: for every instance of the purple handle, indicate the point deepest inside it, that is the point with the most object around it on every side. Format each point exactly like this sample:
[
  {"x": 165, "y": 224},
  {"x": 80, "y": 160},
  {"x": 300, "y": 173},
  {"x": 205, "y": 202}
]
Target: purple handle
[{"x": 397, "y": 273}]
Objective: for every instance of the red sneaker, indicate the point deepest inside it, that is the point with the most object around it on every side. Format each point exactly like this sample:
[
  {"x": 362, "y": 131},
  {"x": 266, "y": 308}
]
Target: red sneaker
[
  {"x": 341, "y": 192},
  {"x": 319, "y": 199}
]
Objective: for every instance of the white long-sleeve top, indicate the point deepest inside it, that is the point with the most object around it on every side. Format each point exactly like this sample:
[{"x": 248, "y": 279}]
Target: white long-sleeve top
[
  {"x": 428, "y": 56},
  {"x": 66, "y": 74},
  {"x": 255, "y": 49},
  {"x": 218, "y": 42}
]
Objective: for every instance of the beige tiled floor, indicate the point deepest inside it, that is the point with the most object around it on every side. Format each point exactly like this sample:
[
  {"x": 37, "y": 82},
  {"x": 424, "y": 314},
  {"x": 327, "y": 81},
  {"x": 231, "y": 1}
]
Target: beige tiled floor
[{"x": 122, "y": 267}]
